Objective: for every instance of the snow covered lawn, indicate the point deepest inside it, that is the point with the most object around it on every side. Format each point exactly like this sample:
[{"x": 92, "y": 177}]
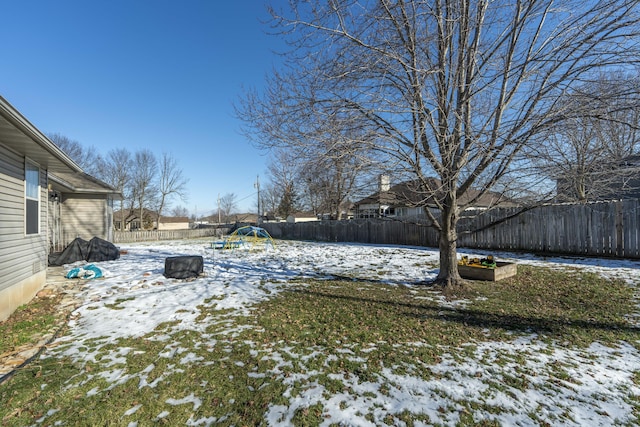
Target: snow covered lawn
[{"x": 202, "y": 352}]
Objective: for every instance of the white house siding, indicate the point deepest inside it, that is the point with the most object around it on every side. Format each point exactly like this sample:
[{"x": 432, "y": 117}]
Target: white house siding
[
  {"x": 173, "y": 226},
  {"x": 22, "y": 257},
  {"x": 79, "y": 213},
  {"x": 294, "y": 218},
  {"x": 410, "y": 212},
  {"x": 371, "y": 210}
]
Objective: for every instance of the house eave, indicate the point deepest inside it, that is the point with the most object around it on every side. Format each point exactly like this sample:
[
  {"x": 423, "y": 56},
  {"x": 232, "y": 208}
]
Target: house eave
[
  {"x": 100, "y": 188},
  {"x": 17, "y": 133}
]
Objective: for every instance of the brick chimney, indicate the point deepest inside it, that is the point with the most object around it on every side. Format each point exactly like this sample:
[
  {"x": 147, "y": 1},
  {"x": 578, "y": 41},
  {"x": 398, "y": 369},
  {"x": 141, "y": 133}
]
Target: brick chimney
[{"x": 384, "y": 183}]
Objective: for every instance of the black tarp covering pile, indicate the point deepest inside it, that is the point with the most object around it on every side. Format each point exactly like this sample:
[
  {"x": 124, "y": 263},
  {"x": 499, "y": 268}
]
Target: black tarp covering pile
[
  {"x": 94, "y": 250},
  {"x": 183, "y": 267}
]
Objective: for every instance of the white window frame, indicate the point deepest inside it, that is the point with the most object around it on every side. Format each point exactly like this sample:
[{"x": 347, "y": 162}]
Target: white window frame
[{"x": 31, "y": 166}]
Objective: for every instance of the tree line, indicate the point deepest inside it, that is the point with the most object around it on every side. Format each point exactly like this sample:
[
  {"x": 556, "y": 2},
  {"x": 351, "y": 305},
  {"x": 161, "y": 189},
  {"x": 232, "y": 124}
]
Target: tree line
[{"x": 147, "y": 182}]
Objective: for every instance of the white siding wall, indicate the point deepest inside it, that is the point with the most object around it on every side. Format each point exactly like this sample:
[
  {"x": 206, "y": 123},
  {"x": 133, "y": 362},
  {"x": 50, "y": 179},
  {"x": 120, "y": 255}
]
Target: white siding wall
[
  {"x": 21, "y": 256},
  {"x": 84, "y": 216}
]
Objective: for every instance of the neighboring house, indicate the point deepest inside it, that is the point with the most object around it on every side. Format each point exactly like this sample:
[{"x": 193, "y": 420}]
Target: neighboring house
[
  {"x": 244, "y": 218},
  {"x": 269, "y": 217},
  {"x": 46, "y": 200},
  {"x": 129, "y": 220},
  {"x": 629, "y": 182},
  {"x": 407, "y": 200},
  {"x": 173, "y": 223},
  {"x": 237, "y": 218},
  {"x": 302, "y": 217},
  {"x": 346, "y": 212}
]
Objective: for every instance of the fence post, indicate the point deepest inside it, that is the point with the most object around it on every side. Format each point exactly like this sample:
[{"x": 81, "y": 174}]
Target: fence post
[{"x": 619, "y": 229}]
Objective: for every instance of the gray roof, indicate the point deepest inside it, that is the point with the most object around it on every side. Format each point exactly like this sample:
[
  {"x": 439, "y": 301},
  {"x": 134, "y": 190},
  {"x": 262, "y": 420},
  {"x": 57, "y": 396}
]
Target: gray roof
[{"x": 411, "y": 194}]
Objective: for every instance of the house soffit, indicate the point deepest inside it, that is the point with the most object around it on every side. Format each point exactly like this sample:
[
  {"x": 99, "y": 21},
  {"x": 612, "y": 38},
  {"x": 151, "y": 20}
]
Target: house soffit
[{"x": 81, "y": 183}]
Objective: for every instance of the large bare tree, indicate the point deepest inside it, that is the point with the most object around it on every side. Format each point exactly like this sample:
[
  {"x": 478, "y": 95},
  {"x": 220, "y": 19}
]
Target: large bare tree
[
  {"x": 171, "y": 183},
  {"x": 453, "y": 89}
]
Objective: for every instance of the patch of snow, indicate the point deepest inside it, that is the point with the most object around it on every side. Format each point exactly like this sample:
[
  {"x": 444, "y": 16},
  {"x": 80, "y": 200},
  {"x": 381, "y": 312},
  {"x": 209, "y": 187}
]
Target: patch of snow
[
  {"x": 132, "y": 410},
  {"x": 188, "y": 399}
]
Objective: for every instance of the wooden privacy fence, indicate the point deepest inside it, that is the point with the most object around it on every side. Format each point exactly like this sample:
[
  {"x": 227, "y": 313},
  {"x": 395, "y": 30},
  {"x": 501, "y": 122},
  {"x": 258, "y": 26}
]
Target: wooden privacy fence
[
  {"x": 608, "y": 229},
  {"x": 382, "y": 231},
  {"x": 146, "y": 236}
]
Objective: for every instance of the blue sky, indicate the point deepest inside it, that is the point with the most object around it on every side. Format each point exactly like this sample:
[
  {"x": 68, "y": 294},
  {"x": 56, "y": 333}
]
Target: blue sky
[{"x": 135, "y": 74}]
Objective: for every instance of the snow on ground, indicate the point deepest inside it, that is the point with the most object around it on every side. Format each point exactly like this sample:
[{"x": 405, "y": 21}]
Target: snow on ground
[
  {"x": 236, "y": 280},
  {"x": 145, "y": 298}
]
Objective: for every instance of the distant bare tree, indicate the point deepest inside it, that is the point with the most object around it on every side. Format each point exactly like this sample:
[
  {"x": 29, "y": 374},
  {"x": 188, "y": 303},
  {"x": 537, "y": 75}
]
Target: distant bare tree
[
  {"x": 270, "y": 198},
  {"x": 323, "y": 151},
  {"x": 143, "y": 179},
  {"x": 228, "y": 206},
  {"x": 585, "y": 152},
  {"x": 328, "y": 183},
  {"x": 117, "y": 171},
  {"x": 284, "y": 169},
  {"x": 455, "y": 89},
  {"x": 180, "y": 211},
  {"x": 144, "y": 182},
  {"x": 171, "y": 182},
  {"x": 618, "y": 125},
  {"x": 340, "y": 158},
  {"x": 87, "y": 158}
]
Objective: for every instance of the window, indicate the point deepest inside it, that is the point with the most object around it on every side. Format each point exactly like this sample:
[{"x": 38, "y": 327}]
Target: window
[{"x": 32, "y": 196}]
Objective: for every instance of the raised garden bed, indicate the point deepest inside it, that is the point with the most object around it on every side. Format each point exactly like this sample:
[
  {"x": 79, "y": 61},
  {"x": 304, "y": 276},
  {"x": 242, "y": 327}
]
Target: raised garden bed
[{"x": 501, "y": 271}]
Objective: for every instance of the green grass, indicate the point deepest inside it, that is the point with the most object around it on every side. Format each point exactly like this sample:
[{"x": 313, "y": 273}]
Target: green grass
[
  {"x": 117, "y": 302},
  {"x": 576, "y": 308},
  {"x": 338, "y": 335},
  {"x": 28, "y": 323}
]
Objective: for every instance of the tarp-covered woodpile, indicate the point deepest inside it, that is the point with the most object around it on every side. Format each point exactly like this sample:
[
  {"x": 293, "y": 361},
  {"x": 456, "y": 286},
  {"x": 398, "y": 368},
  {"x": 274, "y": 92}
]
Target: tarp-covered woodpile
[{"x": 94, "y": 250}]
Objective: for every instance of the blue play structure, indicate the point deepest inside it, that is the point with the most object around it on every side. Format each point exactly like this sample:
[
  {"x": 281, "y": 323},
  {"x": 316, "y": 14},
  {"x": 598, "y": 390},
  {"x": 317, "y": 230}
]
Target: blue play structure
[{"x": 248, "y": 237}]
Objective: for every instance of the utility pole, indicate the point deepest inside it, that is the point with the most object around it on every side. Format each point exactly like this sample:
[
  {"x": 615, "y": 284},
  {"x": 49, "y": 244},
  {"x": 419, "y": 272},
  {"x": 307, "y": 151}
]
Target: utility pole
[
  {"x": 257, "y": 186},
  {"x": 219, "y": 219}
]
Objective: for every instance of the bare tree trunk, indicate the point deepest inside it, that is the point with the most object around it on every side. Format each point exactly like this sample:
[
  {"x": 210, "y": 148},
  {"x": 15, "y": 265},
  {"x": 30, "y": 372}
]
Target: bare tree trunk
[{"x": 448, "y": 276}]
